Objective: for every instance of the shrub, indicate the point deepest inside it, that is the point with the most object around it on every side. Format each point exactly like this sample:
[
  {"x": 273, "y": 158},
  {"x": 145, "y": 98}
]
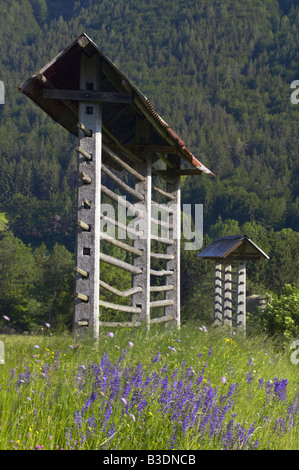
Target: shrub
[{"x": 281, "y": 316}]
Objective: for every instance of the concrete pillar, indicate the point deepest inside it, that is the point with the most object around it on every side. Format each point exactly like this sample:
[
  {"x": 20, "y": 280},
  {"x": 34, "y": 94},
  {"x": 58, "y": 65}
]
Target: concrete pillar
[
  {"x": 86, "y": 311},
  {"x": 218, "y": 296}
]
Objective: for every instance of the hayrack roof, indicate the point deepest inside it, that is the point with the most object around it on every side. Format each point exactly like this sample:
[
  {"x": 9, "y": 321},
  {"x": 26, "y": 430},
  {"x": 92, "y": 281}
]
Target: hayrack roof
[
  {"x": 234, "y": 247},
  {"x": 56, "y": 89}
]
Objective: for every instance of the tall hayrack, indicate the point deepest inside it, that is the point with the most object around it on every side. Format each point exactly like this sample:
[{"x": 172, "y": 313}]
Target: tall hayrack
[{"x": 122, "y": 140}]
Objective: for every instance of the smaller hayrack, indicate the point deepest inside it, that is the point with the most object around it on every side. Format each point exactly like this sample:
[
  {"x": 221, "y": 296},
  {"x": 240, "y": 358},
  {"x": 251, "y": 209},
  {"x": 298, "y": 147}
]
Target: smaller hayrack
[{"x": 230, "y": 281}]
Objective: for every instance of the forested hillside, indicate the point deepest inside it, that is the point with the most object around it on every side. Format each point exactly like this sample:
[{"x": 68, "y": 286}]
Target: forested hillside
[{"x": 218, "y": 71}]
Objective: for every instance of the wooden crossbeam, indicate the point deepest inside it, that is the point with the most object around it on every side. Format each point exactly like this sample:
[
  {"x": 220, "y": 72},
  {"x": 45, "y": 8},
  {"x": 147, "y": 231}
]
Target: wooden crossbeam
[{"x": 83, "y": 95}]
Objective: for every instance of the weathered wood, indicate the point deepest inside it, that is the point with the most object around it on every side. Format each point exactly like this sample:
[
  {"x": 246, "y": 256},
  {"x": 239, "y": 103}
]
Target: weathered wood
[
  {"x": 122, "y": 147},
  {"x": 87, "y": 132},
  {"x": 163, "y": 319},
  {"x": 165, "y": 160},
  {"x": 120, "y": 244},
  {"x": 82, "y": 297},
  {"x": 112, "y": 324},
  {"x": 120, "y": 183},
  {"x": 46, "y": 82},
  {"x": 162, "y": 288},
  {"x": 83, "y": 225},
  {"x": 127, "y": 167},
  {"x": 90, "y": 95},
  {"x": 81, "y": 271},
  {"x": 130, "y": 230},
  {"x": 119, "y": 308},
  {"x": 119, "y": 293},
  {"x": 85, "y": 154},
  {"x": 162, "y": 255},
  {"x": 161, "y": 303},
  {"x": 161, "y": 223},
  {"x": 120, "y": 264},
  {"x": 218, "y": 300},
  {"x": 163, "y": 272},
  {"x": 167, "y": 241},
  {"x": 164, "y": 193},
  {"x": 227, "y": 301},
  {"x": 179, "y": 172},
  {"x": 85, "y": 178},
  {"x": 120, "y": 200}
]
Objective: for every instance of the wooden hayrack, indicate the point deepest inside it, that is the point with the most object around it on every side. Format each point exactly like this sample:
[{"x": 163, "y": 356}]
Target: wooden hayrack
[
  {"x": 123, "y": 141},
  {"x": 230, "y": 254}
]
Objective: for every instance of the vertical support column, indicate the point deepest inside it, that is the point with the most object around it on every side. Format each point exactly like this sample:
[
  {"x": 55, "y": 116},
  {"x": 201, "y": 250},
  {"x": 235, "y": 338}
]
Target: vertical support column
[
  {"x": 241, "y": 296},
  {"x": 174, "y": 264},
  {"x": 143, "y": 243},
  {"x": 86, "y": 308},
  {"x": 227, "y": 304},
  {"x": 218, "y": 297}
]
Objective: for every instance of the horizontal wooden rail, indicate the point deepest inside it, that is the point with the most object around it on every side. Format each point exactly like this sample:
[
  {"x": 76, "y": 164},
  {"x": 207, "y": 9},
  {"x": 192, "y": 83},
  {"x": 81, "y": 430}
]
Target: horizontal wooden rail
[
  {"x": 153, "y": 272},
  {"x": 120, "y": 244},
  {"x": 121, "y": 201},
  {"x": 112, "y": 324},
  {"x": 122, "y": 226},
  {"x": 162, "y": 256},
  {"x": 161, "y": 303},
  {"x": 120, "y": 264},
  {"x": 120, "y": 308},
  {"x": 162, "y": 319},
  {"x": 119, "y": 293},
  {"x": 161, "y": 288},
  {"x": 167, "y": 241},
  {"x": 117, "y": 159},
  {"x": 121, "y": 184},
  {"x": 164, "y": 193}
]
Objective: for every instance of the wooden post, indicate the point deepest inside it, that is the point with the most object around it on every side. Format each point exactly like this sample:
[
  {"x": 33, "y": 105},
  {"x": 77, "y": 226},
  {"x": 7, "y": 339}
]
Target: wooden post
[
  {"x": 218, "y": 298},
  {"x": 241, "y": 296},
  {"x": 227, "y": 296},
  {"x": 86, "y": 312},
  {"x": 173, "y": 250},
  {"x": 143, "y": 243}
]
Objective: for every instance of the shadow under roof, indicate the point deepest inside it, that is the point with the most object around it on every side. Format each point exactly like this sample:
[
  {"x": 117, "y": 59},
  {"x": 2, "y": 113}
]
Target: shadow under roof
[{"x": 62, "y": 73}]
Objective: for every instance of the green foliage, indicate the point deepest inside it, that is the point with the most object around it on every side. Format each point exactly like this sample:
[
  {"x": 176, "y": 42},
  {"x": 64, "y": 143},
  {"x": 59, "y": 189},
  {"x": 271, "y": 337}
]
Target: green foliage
[{"x": 281, "y": 316}]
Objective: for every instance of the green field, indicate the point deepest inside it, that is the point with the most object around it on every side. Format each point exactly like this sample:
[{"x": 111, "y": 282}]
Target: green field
[{"x": 192, "y": 389}]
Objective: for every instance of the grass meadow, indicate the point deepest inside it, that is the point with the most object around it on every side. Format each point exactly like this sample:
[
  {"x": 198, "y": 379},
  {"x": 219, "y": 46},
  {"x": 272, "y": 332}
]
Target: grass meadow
[{"x": 193, "y": 389}]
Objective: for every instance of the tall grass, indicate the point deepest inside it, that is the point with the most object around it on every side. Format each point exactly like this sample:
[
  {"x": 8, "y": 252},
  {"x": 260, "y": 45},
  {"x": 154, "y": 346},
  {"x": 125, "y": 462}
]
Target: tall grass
[{"x": 190, "y": 389}]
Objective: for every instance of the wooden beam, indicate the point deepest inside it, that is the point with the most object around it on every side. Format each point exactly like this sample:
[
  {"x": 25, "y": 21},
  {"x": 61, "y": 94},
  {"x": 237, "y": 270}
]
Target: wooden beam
[
  {"x": 127, "y": 167},
  {"x": 122, "y": 245},
  {"x": 123, "y": 185},
  {"x": 179, "y": 172},
  {"x": 241, "y": 296},
  {"x": 122, "y": 147},
  {"x": 150, "y": 148},
  {"x": 80, "y": 95},
  {"x": 161, "y": 303},
  {"x": 120, "y": 264},
  {"x": 120, "y": 308},
  {"x": 119, "y": 293}
]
